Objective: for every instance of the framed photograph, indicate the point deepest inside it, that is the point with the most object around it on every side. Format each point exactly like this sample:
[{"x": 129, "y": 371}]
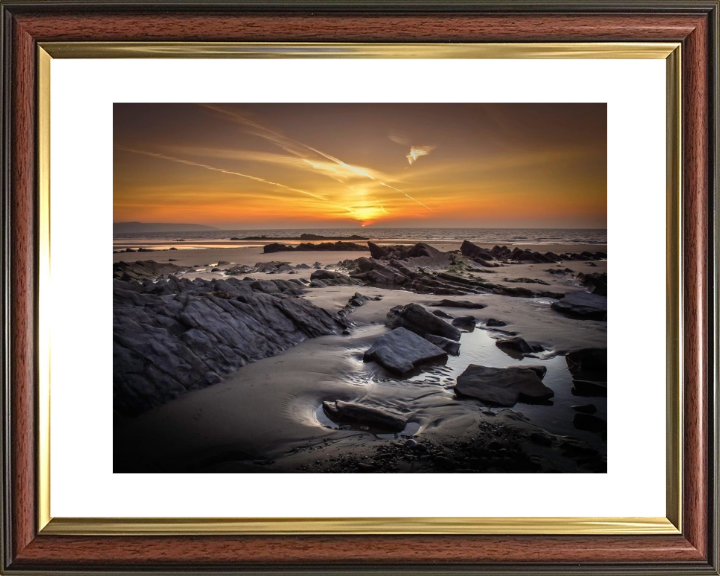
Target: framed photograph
[{"x": 375, "y": 266}]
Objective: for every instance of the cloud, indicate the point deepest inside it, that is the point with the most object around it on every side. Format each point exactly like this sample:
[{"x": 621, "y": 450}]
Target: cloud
[
  {"x": 300, "y": 150},
  {"x": 415, "y": 151}
]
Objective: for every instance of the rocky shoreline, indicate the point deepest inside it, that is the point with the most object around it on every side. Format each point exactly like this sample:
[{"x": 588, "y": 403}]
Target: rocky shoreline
[{"x": 180, "y": 328}]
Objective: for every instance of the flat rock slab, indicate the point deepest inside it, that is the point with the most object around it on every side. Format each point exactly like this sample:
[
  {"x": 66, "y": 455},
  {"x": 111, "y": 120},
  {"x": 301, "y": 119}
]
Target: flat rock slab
[
  {"x": 459, "y": 304},
  {"x": 401, "y": 351},
  {"x": 582, "y": 305},
  {"x": 360, "y": 415},
  {"x": 503, "y": 386},
  {"x": 416, "y": 319}
]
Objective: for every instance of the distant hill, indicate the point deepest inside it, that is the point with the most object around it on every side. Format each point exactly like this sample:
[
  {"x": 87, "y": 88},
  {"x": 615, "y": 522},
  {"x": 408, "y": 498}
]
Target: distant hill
[{"x": 130, "y": 227}]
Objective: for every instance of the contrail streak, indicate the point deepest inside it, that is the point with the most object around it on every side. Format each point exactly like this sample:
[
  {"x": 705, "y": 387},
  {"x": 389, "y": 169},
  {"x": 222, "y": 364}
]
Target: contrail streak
[
  {"x": 221, "y": 170},
  {"x": 290, "y": 146}
]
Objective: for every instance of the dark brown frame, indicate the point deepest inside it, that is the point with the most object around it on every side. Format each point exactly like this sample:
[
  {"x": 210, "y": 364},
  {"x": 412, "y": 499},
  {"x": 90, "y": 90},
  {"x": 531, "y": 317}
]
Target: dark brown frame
[{"x": 694, "y": 23}]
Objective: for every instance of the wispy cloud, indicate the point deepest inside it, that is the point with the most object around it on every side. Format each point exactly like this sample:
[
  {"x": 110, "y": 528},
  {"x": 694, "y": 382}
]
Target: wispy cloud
[
  {"x": 217, "y": 169},
  {"x": 300, "y": 150}
]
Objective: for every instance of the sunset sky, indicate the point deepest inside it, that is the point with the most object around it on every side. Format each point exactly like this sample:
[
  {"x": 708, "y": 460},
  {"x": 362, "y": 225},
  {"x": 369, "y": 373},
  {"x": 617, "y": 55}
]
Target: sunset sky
[{"x": 258, "y": 166}]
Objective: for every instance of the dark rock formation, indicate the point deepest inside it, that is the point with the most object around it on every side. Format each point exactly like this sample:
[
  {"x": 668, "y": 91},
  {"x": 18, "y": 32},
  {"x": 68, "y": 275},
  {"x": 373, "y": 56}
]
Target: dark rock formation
[
  {"x": 582, "y": 305},
  {"x": 359, "y": 415},
  {"x": 465, "y": 323},
  {"x": 309, "y": 247},
  {"x": 516, "y": 344},
  {"x": 240, "y": 270},
  {"x": 144, "y": 270},
  {"x": 401, "y": 351},
  {"x": 403, "y": 252},
  {"x": 596, "y": 282},
  {"x": 304, "y": 237},
  {"x": 321, "y": 278},
  {"x": 450, "y": 346},
  {"x": 527, "y": 281},
  {"x": 588, "y": 367},
  {"x": 492, "y": 323},
  {"x": 416, "y": 319},
  {"x": 177, "y": 335},
  {"x": 477, "y": 254},
  {"x": 520, "y": 255},
  {"x": 459, "y": 304},
  {"x": 441, "y": 314},
  {"x": 503, "y": 386}
]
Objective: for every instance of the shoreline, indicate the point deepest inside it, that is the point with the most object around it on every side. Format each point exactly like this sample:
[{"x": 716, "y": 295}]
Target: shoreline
[{"x": 267, "y": 415}]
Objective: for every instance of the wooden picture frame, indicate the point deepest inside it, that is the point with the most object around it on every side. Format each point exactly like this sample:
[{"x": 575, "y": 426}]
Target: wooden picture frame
[{"x": 32, "y": 543}]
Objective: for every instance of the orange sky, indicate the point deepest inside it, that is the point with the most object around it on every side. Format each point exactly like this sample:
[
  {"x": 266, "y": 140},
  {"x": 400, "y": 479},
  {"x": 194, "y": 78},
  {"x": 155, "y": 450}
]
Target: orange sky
[{"x": 258, "y": 166}]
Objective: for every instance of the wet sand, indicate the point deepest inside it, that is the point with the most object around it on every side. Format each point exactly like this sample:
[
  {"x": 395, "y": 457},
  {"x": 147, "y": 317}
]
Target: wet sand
[{"x": 267, "y": 416}]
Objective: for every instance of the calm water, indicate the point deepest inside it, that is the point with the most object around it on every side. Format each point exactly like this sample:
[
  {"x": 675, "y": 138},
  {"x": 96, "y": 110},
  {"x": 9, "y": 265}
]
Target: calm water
[{"x": 494, "y": 235}]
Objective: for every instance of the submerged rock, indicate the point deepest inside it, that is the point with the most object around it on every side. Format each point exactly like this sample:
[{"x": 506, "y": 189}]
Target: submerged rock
[
  {"x": 360, "y": 415},
  {"x": 503, "y": 386},
  {"x": 417, "y": 319},
  {"x": 401, "y": 351},
  {"x": 582, "y": 305}
]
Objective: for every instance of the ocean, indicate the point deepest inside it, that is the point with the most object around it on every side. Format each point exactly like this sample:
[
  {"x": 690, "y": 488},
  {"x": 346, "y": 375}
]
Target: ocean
[{"x": 480, "y": 235}]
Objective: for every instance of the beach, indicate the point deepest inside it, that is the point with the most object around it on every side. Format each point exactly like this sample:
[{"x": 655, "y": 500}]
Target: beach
[{"x": 268, "y": 415}]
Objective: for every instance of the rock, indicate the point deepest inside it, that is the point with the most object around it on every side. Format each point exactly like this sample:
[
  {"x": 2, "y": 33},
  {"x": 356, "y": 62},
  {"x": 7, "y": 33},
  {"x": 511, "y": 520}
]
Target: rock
[
  {"x": 441, "y": 314},
  {"x": 330, "y": 278},
  {"x": 527, "y": 281},
  {"x": 515, "y": 344},
  {"x": 239, "y": 270},
  {"x": 477, "y": 254},
  {"x": 465, "y": 322},
  {"x": 223, "y": 263},
  {"x": 401, "y": 351},
  {"x": 459, "y": 304},
  {"x": 358, "y": 299},
  {"x": 302, "y": 267},
  {"x": 176, "y": 335},
  {"x": 589, "y": 422},
  {"x": 588, "y": 367},
  {"x": 559, "y": 271},
  {"x": 582, "y": 305},
  {"x": 360, "y": 415},
  {"x": 491, "y": 322},
  {"x": 144, "y": 270},
  {"x": 596, "y": 282},
  {"x": 410, "y": 443},
  {"x": 450, "y": 346},
  {"x": 310, "y": 247},
  {"x": 417, "y": 319},
  {"x": 585, "y": 408},
  {"x": 502, "y": 386}
]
